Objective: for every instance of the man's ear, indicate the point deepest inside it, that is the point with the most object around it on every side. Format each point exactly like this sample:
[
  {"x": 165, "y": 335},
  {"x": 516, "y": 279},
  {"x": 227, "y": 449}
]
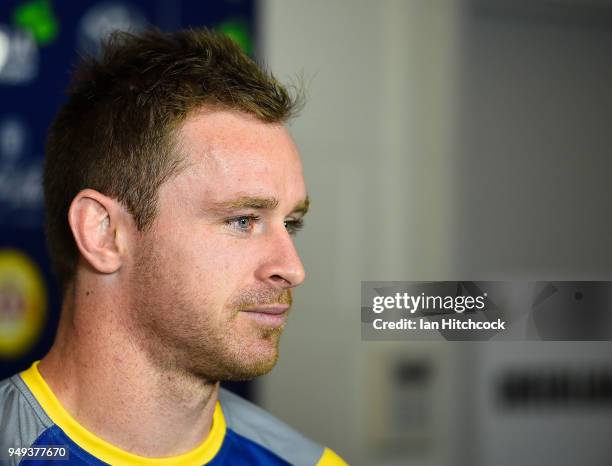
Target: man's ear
[{"x": 95, "y": 221}]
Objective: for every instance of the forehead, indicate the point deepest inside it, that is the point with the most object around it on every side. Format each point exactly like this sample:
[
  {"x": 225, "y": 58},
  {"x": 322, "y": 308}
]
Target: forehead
[{"x": 231, "y": 152}]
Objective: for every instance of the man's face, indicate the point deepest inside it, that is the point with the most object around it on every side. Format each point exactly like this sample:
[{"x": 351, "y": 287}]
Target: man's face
[{"x": 212, "y": 278}]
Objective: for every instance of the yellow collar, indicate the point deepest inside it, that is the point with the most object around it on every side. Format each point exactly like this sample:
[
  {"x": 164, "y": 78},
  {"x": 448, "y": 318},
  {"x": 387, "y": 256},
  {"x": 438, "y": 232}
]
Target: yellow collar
[{"x": 110, "y": 453}]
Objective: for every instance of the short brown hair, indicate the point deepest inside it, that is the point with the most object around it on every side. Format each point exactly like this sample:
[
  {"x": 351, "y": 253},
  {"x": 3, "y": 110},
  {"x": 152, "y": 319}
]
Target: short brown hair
[{"x": 115, "y": 134}]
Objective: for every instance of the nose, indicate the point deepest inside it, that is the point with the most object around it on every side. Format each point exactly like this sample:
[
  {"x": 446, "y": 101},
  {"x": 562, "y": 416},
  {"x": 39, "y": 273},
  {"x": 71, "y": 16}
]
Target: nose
[{"x": 282, "y": 266}]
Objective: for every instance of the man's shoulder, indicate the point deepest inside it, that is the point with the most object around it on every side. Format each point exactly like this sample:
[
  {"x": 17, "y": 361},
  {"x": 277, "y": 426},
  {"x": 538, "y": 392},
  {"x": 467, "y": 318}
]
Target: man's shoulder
[
  {"x": 22, "y": 420},
  {"x": 20, "y": 412},
  {"x": 257, "y": 425}
]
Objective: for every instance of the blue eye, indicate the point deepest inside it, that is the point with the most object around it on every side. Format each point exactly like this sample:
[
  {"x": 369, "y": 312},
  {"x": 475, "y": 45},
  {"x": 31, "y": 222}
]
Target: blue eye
[
  {"x": 244, "y": 223},
  {"x": 293, "y": 226}
]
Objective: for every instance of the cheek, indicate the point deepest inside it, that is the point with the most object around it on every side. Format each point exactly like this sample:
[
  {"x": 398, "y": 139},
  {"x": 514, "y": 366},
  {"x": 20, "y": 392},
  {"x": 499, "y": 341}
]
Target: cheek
[{"x": 213, "y": 266}]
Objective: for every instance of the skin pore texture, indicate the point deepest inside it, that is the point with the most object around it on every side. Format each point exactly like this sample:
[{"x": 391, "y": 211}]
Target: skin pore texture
[{"x": 155, "y": 319}]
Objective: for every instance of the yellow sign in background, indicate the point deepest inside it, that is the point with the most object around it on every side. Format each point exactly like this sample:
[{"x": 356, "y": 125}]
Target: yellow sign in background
[{"x": 23, "y": 303}]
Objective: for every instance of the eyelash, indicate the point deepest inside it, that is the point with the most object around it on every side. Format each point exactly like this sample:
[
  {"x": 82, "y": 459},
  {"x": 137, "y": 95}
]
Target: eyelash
[
  {"x": 234, "y": 222},
  {"x": 292, "y": 226}
]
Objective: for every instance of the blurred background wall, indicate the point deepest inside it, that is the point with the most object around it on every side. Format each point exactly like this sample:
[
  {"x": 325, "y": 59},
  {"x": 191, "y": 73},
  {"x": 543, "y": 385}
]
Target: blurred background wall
[
  {"x": 442, "y": 140},
  {"x": 447, "y": 140},
  {"x": 377, "y": 143}
]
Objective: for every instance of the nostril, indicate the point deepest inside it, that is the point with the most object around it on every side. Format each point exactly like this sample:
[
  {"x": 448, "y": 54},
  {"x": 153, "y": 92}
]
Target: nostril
[{"x": 277, "y": 278}]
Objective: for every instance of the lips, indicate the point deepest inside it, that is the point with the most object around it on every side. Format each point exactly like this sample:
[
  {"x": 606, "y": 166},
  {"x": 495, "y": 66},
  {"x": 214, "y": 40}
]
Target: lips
[{"x": 269, "y": 316}]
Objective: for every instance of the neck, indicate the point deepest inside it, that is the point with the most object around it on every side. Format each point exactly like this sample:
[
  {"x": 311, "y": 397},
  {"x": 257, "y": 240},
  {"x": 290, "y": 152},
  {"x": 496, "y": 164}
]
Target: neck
[{"x": 115, "y": 389}]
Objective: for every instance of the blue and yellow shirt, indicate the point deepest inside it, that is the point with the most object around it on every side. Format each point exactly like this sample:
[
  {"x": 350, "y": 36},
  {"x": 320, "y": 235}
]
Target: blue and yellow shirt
[{"x": 241, "y": 434}]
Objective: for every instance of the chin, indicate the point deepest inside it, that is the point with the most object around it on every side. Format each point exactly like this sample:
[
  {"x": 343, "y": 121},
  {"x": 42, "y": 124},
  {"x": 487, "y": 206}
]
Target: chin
[
  {"x": 249, "y": 370},
  {"x": 256, "y": 360}
]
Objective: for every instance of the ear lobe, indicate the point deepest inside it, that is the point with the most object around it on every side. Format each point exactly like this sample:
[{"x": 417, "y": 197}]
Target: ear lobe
[{"x": 93, "y": 220}]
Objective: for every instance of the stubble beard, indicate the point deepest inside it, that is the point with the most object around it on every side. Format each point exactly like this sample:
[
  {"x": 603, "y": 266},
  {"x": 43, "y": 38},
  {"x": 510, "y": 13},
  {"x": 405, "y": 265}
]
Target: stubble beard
[{"x": 179, "y": 332}]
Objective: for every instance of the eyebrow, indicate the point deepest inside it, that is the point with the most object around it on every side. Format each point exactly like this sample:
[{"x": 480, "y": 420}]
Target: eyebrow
[
  {"x": 302, "y": 207},
  {"x": 260, "y": 203}
]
